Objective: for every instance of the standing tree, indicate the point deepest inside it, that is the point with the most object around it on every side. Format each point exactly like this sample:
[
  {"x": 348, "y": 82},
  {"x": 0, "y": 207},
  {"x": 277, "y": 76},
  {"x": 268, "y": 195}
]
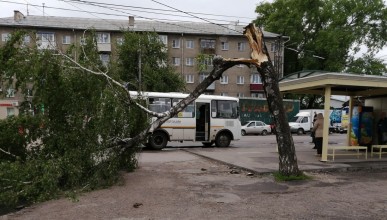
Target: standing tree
[
  {"x": 324, "y": 34},
  {"x": 142, "y": 62}
]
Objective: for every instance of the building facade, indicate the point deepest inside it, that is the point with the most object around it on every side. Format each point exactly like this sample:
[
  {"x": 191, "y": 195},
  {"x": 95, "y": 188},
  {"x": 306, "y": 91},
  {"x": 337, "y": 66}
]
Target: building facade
[{"x": 184, "y": 42}]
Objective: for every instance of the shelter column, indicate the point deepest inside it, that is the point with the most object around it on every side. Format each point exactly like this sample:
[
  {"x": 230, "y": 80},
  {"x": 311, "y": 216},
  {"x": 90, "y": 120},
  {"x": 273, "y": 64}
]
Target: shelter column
[{"x": 327, "y": 107}]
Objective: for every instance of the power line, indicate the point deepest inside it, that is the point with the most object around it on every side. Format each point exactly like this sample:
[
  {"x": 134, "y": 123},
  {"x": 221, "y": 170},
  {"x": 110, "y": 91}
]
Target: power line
[
  {"x": 157, "y": 9},
  {"x": 81, "y": 10},
  {"x": 195, "y": 16},
  {"x": 173, "y": 24}
]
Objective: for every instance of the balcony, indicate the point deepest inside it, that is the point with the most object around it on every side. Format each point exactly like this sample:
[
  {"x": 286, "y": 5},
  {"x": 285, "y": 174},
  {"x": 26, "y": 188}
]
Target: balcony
[
  {"x": 104, "y": 47},
  {"x": 256, "y": 87},
  {"x": 208, "y": 50}
]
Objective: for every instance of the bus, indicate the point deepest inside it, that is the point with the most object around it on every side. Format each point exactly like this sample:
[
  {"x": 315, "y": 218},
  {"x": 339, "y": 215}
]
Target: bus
[{"x": 209, "y": 119}]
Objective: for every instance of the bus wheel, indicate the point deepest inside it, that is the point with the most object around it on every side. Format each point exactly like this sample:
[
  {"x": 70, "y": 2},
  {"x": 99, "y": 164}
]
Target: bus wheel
[
  {"x": 223, "y": 140},
  {"x": 158, "y": 140}
]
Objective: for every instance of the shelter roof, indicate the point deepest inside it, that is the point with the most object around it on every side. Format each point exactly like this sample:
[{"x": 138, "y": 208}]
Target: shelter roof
[{"x": 315, "y": 82}]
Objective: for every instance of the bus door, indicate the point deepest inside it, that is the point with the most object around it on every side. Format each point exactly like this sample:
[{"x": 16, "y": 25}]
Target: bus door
[{"x": 202, "y": 121}]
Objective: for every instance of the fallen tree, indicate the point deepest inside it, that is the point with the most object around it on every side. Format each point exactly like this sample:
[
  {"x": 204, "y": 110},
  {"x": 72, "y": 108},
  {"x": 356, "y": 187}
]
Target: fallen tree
[{"x": 261, "y": 60}]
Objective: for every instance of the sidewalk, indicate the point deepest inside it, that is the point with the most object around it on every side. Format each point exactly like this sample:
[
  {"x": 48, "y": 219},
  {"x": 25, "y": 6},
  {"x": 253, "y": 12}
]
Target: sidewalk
[{"x": 265, "y": 159}]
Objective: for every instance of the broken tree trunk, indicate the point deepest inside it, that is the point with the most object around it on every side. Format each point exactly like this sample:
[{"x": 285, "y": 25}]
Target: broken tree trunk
[
  {"x": 287, "y": 155},
  {"x": 260, "y": 58}
]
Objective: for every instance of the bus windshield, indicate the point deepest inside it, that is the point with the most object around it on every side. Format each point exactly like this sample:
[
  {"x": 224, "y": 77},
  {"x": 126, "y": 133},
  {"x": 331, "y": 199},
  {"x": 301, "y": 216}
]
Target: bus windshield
[{"x": 224, "y": 109}]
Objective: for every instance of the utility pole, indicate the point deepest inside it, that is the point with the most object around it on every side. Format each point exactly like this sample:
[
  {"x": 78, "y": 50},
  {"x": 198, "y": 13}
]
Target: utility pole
[{"x": 139, "y": 70}]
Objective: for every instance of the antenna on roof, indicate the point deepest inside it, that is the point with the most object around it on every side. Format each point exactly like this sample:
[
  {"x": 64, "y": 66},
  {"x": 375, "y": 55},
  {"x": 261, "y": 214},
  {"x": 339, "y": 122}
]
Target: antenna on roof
[
  {"x": 43, "y": 8},
  {"x": 28, "y": 12}
]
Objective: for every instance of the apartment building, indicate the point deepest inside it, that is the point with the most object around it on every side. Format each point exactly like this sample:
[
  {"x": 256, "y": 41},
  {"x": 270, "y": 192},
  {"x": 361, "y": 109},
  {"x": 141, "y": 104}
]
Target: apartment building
[{"x": 184, "y": 42}]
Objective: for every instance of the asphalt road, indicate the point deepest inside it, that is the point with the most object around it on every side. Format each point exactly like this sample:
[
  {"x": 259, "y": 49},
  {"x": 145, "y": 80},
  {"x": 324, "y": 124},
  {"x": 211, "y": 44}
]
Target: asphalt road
[{"x": 251, "y": 141}]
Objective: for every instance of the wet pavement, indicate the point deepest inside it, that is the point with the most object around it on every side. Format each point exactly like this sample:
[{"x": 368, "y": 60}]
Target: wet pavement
[{"x": 264, "y": 158}]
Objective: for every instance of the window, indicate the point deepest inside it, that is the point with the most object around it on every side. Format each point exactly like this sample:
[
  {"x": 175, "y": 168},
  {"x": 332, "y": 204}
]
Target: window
[
  {"x": 241, "y": 46},
  {"x": 187, "y": 112},
  {"x": 46, "y": 37},
  {"x": 10, "y": 93},
  {"x": 207, "y": 43},
  {"x": 240, "y": 95},
  {"x": 104, "y": 58},
  {"x": 189, "y": 78},
  {"x": 224, "y": 109},
  {"x": 29, "y": 92},
  {"x": 82, "y": 41},
  {"x": 103, "y": 38},
  {"x": 26, "y": 39},
  {"x": 5, "y": 37},
  {"x": 240, "y": 80},
  {"x": 189, "y": 61},
  {"x": 224, "y": 80},
  {"x": 164, "y": 39},
  {"x": 176, "y": 61},
  {"x": 257, "y": 95},
  {"x": 202, "y": 76},
  {"x": 273, "y": 47},
  {"x": 255, "y": 79},
  {"x": 223, "y": 93},
  {"x": 224, "y": 45},
  {"x": 159, "y": 105},
  {"x": 66, "y": 39},
  {"x": 207, "y": 60},
  {"x": 10, "y": 112},
  {"x": 120, "y": 41},
  {"x": 175, "y": 43},
  {"x": 189, "y": 44}
]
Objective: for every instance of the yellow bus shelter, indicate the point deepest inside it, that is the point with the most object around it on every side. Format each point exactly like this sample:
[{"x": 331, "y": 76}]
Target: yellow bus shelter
[{"x": 331, "y": 83}]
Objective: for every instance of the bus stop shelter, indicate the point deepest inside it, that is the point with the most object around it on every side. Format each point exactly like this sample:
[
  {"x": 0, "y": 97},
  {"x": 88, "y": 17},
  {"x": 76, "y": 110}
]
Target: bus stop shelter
[{"x": 331, "y": 83}]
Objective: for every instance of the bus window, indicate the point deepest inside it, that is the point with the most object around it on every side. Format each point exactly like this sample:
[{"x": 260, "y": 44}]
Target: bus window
[
  {"x": 159, "y": 105},
  {"x": 224, "y": 109},
  {"x": 188, "y": 112}
]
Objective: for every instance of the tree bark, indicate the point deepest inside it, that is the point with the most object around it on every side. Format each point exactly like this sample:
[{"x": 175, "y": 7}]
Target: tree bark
[
  {"x": 260, "y": 58},
  {"x": 287, "y": 157}
]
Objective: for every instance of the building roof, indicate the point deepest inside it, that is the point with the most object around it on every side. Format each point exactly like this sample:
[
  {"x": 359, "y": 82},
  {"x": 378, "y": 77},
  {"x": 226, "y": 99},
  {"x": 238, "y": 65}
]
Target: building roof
[{"x": 118, "y": 25}]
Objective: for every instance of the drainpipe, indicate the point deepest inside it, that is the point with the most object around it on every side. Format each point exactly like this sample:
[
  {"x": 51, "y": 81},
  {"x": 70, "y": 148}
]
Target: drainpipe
[{"x": 182, "y": 54}]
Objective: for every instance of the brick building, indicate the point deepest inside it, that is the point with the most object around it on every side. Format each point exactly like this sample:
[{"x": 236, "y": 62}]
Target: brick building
[{"x": 184, "y": 41}]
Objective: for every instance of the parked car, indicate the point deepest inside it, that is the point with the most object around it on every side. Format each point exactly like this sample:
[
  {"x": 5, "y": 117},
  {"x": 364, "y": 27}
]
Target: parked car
[{"x": 255, "y": 127}]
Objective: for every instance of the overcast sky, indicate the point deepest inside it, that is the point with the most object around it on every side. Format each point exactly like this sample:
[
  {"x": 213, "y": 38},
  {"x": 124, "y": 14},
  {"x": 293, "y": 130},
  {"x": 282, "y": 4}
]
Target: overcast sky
[{"x": 217, "y": 11}]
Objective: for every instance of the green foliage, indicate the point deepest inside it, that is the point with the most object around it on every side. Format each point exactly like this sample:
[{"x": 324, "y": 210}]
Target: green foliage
[
  {"x": 202, "y": 61},
  {"x": 66, "y": 147},
  {"x": 325, "y": 34},
  {"x": 280, "y": 177},
  {"x": 143, "y": 59},
  {"x": 367, "y": 65},
  {"x": 326, "y": 28},
  {"x": 15, "y": 134}
]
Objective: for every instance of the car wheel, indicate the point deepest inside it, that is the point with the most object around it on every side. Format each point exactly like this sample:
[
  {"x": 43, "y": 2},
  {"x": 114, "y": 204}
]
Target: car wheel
[
  {"x": 264, "y": 133},
  {"x": 300, "y": 131},
  {"x": 158, "y": 140},
  {"x": 223, "y": 140},
  {"x": 243, "y": 132}
]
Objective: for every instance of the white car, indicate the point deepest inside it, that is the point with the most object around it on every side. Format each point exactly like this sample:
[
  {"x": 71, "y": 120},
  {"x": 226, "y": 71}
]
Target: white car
[{"x": 255, "y": 127}]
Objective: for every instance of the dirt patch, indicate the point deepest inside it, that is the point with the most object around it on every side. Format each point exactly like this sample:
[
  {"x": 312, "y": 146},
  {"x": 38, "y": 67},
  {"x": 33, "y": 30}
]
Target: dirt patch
[{"x": 167, "y": 187}]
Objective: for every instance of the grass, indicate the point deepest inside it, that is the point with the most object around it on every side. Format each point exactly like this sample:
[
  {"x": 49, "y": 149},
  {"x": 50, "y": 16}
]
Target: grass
[{"x": 281, "y": 178}]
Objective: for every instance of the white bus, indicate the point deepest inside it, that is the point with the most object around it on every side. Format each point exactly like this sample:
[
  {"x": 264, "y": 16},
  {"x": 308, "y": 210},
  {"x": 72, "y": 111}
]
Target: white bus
[{"x": 209, "y": 119}]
